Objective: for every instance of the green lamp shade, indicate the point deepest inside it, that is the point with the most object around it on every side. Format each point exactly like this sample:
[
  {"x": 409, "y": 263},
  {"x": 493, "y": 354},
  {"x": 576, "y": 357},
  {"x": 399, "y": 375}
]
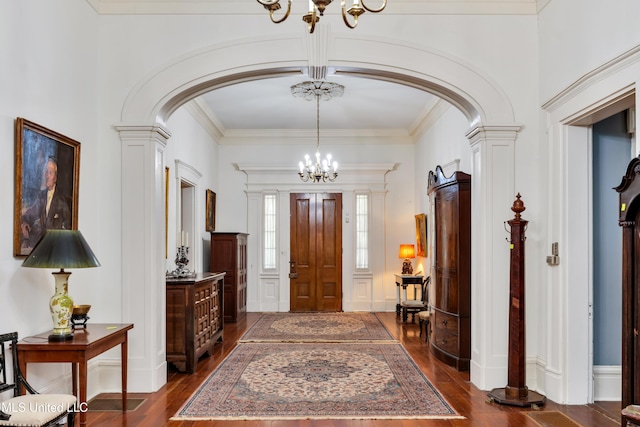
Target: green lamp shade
[{"x": 61, "y": 249}]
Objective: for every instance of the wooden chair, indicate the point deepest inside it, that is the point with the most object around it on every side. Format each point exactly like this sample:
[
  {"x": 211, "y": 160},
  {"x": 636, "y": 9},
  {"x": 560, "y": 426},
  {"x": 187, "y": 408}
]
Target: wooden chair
[
  {"x": 32, "y": 409},
  {"x": 424, "y": 320},
  {"x": 414, "y": 306}
]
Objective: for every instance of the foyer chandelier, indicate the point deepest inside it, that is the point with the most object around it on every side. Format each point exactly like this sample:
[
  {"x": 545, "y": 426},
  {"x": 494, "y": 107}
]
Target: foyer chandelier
[
  {"x": 317, "y": 7},
  {"x": 322, "y": 170}
]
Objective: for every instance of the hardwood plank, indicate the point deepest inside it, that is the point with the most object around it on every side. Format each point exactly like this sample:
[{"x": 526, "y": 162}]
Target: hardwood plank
[{"x": 455, "y": 386}]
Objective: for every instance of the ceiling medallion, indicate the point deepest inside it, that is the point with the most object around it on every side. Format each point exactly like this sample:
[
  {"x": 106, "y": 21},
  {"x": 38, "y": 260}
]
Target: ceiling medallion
[
  {"x": 317, "y": 7},
  {"x": 323, "y": 170}
]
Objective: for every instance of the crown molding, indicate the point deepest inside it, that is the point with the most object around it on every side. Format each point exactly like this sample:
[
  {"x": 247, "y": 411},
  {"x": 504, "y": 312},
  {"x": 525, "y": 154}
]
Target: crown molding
[
  {"x": 250, "y": 7},
  {"x": 327, "y": 137},
  {"x": 201, "y": 112},
  {"x": 432, "y": 113}
]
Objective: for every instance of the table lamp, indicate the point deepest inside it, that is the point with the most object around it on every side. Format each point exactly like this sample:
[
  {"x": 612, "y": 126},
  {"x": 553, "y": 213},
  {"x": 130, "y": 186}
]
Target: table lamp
[
  {"x": 407, "y": 252},
  {"x": 61, "y": 249}
]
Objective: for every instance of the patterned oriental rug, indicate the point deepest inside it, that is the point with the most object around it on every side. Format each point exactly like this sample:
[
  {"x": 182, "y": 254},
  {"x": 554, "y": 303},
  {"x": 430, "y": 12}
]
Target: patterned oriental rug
[
  {"x": 270, "y": 381},
  {"x": 317, "y": 327}
]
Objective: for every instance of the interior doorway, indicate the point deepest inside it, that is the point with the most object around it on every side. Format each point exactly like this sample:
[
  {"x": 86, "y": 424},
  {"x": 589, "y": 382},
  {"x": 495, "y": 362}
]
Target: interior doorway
[
  {"x": 187, "y": 222},
  {"x": 611, "y": 151},
  {"x": 315, "y": 277}
]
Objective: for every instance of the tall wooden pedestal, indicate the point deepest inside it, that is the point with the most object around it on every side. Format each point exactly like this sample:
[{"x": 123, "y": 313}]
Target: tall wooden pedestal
[{"x": 516, "y": 392}]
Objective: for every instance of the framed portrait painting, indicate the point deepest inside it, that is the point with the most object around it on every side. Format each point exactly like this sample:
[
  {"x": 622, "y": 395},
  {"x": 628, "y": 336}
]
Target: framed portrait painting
[
  {"x": 421, "y": 235},
  {"x": 47, "y": 169},
  {"x": 211, "y": 211}
]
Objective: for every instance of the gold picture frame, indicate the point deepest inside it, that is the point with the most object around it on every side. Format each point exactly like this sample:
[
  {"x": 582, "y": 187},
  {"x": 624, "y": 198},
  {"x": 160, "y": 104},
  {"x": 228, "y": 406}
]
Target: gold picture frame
[
  {"x": 47, "y": 167},
  {"x": 421, "y": 235},
  {"x": 166, "y": 212},
  {"x": 211, "y": 211}
]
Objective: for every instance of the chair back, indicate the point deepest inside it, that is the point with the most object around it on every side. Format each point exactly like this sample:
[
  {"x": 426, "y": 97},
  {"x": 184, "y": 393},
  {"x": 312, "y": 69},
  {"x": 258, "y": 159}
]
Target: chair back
[
  {"x": 425, "y": 291},
  {"x": 12, "y": 338}
]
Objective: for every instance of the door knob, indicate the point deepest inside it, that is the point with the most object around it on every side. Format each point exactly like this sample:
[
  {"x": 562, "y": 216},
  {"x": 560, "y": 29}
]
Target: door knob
[{"x": 292, "y": 270}]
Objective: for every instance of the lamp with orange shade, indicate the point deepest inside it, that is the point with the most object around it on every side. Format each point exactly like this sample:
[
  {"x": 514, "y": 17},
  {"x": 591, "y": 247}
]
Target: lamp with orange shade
[{"x": 407, "y": 252}]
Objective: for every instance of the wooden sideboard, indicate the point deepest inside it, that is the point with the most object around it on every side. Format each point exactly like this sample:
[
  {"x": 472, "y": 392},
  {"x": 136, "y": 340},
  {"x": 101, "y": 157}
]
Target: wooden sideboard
[
  {"x": 194, "y": 318},
  {"x": 229, "y": 254},
  {"x": 451, "y": 330}
]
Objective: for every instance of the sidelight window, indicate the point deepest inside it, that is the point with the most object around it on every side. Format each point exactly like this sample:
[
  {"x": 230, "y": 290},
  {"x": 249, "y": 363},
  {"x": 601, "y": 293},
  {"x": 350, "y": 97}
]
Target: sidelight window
[
  {"x": 362, "y": 231},
  {"x": 270, "y": 232}
]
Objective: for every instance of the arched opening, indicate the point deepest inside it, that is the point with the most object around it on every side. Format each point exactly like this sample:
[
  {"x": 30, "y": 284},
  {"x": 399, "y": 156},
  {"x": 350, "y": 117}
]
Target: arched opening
[{"x": 492, "y": 135}]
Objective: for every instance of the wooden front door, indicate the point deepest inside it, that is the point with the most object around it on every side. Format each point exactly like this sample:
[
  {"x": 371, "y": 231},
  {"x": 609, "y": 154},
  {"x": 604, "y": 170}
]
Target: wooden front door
[{"x": 316, "y": 252}]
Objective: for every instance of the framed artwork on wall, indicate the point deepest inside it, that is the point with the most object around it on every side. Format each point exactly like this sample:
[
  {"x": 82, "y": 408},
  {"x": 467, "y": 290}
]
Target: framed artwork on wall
[
  {"x": 211, "y": 211},
  {"x": 47, "y": 182},
  {"x": 421, "y": 235},
  {"x": 166, "y": 212}
]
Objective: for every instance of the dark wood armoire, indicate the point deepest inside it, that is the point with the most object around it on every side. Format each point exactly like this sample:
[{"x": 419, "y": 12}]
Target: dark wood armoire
[
  {"x": 629, "y": 220},
  {"x": 451, "y": 324},
  {"x": 229, "y": 255}
]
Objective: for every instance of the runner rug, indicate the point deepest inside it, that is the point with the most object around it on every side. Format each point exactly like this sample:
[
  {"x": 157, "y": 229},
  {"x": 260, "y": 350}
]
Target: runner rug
[
  {"x": 317, "y": 327},
  {"x": 270, "y": 381}
]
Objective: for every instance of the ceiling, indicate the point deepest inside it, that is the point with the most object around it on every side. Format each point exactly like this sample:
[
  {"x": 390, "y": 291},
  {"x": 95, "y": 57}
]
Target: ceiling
[
  {"x": 365, "y": 104},
  {"x": 374, "y": 105}
]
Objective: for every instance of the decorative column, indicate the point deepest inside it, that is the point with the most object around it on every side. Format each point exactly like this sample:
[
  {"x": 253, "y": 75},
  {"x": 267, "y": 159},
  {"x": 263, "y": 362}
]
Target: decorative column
[
  {"x": 143, "y": 253},
  {"x": 516, "y": 392},
  {"x": 493, "y": 173}
]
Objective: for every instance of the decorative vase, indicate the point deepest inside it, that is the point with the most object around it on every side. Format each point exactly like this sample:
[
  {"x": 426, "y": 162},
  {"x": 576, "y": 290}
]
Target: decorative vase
[{"x": 61, "y": 306}]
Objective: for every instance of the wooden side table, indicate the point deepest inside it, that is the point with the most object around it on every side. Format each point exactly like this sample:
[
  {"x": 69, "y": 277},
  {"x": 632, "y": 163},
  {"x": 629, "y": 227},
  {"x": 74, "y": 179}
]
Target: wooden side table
[
  {"x": 87, "y": 343},
  {"x": 404, "y": 280}
]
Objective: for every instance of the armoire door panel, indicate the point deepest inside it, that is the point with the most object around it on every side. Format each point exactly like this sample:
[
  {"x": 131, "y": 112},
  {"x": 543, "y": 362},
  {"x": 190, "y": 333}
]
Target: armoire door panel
[{"x": 447, "y": 290}]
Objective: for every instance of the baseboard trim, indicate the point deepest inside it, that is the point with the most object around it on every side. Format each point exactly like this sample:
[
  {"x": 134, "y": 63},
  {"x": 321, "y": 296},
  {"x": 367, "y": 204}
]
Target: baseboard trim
[{"x": 607, "y": 383}]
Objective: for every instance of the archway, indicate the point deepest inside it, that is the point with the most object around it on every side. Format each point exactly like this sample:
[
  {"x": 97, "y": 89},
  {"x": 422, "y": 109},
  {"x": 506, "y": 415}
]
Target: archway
[{"x": 157, "y": 96}]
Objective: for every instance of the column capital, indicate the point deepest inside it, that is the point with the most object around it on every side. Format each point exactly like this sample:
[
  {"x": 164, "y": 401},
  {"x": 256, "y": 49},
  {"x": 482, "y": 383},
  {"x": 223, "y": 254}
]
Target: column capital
[
  {"x": 494, "y": 132},
  {"x": 145, "y": 132}
]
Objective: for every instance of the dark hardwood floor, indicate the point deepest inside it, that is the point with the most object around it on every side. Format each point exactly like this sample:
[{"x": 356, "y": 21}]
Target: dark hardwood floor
[{"x": 470, "y": 402}]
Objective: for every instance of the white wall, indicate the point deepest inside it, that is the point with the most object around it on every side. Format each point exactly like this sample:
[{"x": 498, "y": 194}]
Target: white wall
[
  {"x": 577, "y": 36},
  {"x": 49, "y": 76},
  {"x": 194, "y": 148}
]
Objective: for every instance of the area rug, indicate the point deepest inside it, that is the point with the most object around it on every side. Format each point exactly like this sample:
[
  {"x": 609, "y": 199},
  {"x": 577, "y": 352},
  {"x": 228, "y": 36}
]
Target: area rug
[
  {"x": 317, "y": 327},
  {"x": 270, "y": 381}
]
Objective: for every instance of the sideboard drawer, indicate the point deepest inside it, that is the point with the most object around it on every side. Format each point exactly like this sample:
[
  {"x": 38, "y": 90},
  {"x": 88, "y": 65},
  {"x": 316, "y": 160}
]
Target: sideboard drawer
[
  {"x": 446, "y": 342},
  {"x": 445, "y": 323}
]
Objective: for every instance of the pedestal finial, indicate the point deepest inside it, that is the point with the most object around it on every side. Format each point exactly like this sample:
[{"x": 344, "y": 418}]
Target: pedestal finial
[{"x": 518, "y": 206}]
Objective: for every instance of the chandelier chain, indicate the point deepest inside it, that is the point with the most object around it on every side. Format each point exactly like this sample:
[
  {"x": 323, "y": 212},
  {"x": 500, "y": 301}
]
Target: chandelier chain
[
  {"x": 320, "y": 170},
  {"x": 318, "y": 123}
]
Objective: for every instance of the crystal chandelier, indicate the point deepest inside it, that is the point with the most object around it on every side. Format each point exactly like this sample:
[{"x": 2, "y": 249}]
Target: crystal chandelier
[
  {"x": 322, "y": 170},
  {"x": 317, "y": 7}
]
